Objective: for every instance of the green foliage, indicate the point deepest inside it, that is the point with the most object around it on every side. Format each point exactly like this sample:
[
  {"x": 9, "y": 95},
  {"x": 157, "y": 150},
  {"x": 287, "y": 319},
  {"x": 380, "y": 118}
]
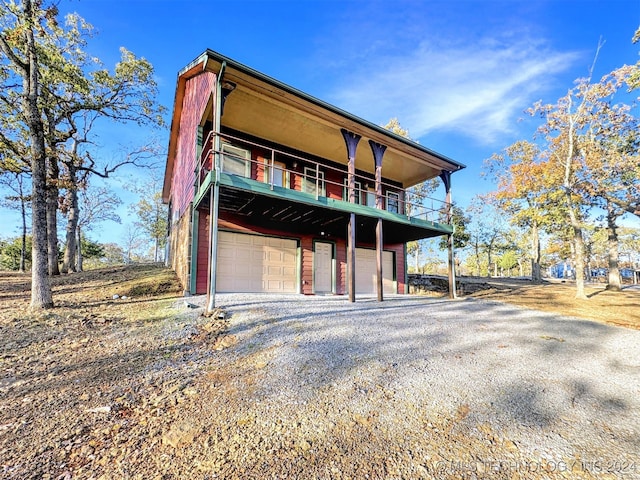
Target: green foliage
[
  {"x": 91, "y": 249},
  {"x": 10, "y": 252},
  {"x": 508, "y": 260},
  {"x": 461, "y": 236}
]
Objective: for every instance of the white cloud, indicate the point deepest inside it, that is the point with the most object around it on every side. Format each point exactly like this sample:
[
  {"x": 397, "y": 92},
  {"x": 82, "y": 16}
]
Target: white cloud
[{"x": 479, "y": 90}]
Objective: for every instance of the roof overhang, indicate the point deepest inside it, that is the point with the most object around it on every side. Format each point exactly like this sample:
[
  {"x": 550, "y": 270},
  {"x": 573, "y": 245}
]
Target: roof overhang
[{"x": 294, "y": 119}]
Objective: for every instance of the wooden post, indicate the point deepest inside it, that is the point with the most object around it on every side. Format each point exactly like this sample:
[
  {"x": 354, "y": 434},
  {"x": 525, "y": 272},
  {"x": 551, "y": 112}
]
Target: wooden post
[
  {"x": 446, "y": 179},
  {"x": 378, "y": 152},
  {"x": 351, "y": 140}
]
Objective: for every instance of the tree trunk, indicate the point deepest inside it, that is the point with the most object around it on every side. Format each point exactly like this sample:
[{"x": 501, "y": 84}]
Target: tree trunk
[
  {"x": 69, "y": 263},
  {"x": 41, "y": 296},
  {"x": 614, "y": 282},
  {"x": 23, "y": 214},
  {"x": 578, "y": 244},
  {"x": 79, "y": 240},
  {"x": 53, "y": 172},
  {"x": 536, "y": 273}
]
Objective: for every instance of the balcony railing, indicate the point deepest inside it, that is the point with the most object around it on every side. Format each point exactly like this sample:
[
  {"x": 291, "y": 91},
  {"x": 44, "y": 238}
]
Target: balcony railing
[{"x": 279, "y": 169}]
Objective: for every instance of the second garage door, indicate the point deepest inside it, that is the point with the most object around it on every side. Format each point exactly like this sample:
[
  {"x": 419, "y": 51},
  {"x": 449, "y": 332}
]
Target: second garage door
[
  {"x": 252, "y": 263},
  {"x": 366, "y": 271}
]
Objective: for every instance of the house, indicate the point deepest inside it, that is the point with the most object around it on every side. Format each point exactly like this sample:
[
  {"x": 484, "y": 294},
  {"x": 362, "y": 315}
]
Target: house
[{"x": 272, "y": 190}]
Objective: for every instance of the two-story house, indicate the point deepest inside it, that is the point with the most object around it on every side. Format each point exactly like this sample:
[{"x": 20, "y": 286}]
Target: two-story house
[{"x": 273, "y": 190}]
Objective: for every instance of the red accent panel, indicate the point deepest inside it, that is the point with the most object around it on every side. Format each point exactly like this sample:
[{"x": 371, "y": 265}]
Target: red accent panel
[
  {"x": 334, "y": 184},
  {"x": 341, "y": 267},
  {"x": 306, "y": 243},
  {"x": 202, "y": 264}
]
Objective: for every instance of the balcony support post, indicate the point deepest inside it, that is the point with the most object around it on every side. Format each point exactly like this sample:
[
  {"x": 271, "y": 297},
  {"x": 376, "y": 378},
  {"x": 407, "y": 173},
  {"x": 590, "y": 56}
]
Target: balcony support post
[
  {"x": 446, "y": 179},
  {"x": 215, "y": 193},
  {"x": 351, "y": 140},
  {"x": 378, "y": 152}
]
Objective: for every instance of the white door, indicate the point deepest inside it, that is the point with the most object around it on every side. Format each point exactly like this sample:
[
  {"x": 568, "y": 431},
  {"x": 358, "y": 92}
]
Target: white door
[
  {"x": 366, "y": 271},
  {"x": 252, "y": 263},
  {"x": 323, "y": 268}
]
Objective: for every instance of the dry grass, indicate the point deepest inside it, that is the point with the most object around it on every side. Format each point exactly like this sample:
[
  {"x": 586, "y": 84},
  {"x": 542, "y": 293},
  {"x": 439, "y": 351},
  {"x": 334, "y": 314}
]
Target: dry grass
[{"x": 615, "y": 308}]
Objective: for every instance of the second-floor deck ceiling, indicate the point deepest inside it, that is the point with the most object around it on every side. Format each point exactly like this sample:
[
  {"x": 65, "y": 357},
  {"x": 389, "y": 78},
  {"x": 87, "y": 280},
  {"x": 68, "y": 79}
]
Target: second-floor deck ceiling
[{"x": 266, "y": 108}]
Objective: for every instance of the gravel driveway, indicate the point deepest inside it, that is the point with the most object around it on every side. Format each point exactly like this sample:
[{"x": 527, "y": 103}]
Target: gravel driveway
[{"x": 417, "y": 387}]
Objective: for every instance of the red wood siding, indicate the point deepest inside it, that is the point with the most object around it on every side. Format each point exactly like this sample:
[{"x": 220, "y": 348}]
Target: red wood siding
[
  {"x": 197, "y": 93},
  {"x": 202, "y": 264},
  {"x": 341, "y": 267},
  {"x": 229, "y": 222},
  {"x": 398, "y": 248},
  {"x": 334, "y": 184},
  {"x": 306, "y": 245}
]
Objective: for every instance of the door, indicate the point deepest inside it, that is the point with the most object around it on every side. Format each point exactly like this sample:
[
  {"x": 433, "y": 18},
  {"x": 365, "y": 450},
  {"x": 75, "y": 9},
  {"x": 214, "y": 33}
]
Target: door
[
  {"x": 323, "y": 268},
  {"x": 253, "y": 263},
  {"x": 366, "y": 271}
]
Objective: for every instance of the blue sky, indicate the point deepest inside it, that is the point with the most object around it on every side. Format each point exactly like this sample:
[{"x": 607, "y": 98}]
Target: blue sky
[{"x": 457, "y": 74}]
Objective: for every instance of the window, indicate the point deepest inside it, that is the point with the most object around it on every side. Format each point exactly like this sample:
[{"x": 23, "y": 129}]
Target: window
[
  {"x": 309, "y": 182},
  {"x": 235, "y": 160},
  {"x": 280, "y": 174},
  {"x": 393, "y": 202},
  {"x": 358, "y": 191},
  {"x": 371, "y": 197}
]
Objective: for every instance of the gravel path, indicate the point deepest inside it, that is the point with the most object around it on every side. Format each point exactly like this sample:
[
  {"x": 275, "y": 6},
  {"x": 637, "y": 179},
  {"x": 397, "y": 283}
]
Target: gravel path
[
  {"x": 295, "y": 387},
  {"x": 512, "y": 390}
]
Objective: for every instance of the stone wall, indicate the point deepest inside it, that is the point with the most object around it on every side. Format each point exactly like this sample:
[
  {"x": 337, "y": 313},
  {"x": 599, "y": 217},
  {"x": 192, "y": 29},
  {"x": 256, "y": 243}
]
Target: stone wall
[
  {"x": 420, "y": 283},
  {"x": 180, "y": 250}
]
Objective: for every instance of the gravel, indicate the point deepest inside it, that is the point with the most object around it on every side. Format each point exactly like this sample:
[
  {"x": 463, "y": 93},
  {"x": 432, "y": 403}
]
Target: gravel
[
  {"x": 319, "y": 388},
  {"x": 553, "y": 389}
]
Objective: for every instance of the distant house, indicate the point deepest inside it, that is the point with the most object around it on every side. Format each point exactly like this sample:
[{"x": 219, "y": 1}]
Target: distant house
[
  {"x": 272, "y": 190},
  {"x": 561, "y": 270}
]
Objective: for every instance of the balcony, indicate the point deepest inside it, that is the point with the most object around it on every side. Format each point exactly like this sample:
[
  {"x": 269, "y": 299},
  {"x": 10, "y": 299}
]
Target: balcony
[{"x": 271, "y": 185}]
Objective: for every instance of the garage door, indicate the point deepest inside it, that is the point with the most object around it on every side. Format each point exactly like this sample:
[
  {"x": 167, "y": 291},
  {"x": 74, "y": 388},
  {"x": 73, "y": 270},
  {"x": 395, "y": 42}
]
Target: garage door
[
  {"x": 366, "y": 271},
  {"x": 252, "y": 263}
]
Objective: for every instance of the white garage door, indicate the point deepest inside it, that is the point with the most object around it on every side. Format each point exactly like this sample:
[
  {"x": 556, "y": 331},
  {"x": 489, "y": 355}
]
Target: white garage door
[
  {"x": 252, "y": 263},
  {"x": 366, "y": 271}
]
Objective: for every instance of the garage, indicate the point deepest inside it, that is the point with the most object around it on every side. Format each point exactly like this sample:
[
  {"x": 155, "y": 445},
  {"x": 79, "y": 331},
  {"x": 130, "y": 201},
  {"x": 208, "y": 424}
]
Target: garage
[
  {"x": 366, "y": 272},
  {"x": 254, "y": 263}
]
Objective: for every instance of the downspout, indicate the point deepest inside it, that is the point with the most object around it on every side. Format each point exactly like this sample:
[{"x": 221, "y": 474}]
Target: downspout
[{"x": 215, "y": 194}]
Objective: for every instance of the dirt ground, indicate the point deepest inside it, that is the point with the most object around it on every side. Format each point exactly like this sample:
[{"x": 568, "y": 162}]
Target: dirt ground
[
  {"x": 620, "y": 308},
  {"x": 109, "y": 384}
]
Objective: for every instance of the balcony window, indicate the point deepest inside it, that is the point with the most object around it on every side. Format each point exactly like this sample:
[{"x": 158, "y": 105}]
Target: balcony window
[
  {"x": 280, "y": 174},
  {"x": 309, "y": 182},
  {"x": 393, "y": 202},
  {"x": 358, "y": 191},
  {"x": 235, "y": 160},
  {"x": 371, "y": 197}
]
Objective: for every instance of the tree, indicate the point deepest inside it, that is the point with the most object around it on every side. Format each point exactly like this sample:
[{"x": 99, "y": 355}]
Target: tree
[
  {"x": 15, "y": 181},
  {"x": 508, "y": 261},
  {"x": 97, "y": 205},
  {"x": 524, "y": 192},
  {"x": 49, "y": 84},
  {"x": 21, "y": 63},
  {"x": 13, "y": 254},
  {"x": 133, "y": 241},
  {"x": 488, "y": 233},
  {"x": 416, "y": 196},
  {"x": 461, "y": 237}
]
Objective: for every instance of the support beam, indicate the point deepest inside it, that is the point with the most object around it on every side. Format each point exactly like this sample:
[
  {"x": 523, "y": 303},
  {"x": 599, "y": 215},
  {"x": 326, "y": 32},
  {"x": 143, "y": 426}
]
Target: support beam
[
  {"x": 446, "y": 179},
  {"x": 216, "y": 113},
  {"x": 379, "y": 247},
  {"x": 351, "y": 140},
  {"x": 378, "y": 152}
]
